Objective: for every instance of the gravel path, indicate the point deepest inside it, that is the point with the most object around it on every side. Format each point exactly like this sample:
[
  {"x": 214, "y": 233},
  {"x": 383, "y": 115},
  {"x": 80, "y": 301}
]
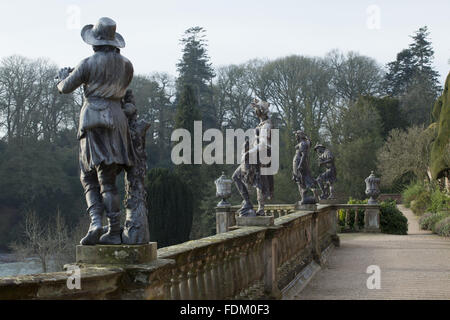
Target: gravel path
[{"x": 413, "y": 266}]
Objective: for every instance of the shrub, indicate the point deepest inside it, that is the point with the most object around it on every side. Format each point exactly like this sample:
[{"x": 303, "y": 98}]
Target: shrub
[
  {"x": 428, "y": 223},
  {"x": 423, "y": 220},
  {"x": 442, "y": 227},
  {"x": 440, "y": 216},
  {"x": 392, "y": 221},
  {"x": 439, "y": 201},
  {"x": 412, "y": 192},
  {"x": 421, "y": 203}
]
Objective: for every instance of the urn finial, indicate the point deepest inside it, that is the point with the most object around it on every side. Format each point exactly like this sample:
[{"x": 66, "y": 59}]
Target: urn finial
[
  {"x": 372, "y": 188},
  {"x": 223, "y": 190}
]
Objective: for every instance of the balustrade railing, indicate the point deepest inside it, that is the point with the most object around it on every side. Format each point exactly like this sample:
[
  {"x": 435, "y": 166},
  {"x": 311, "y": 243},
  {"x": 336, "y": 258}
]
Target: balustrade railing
[
  {"x": 357, "y": 217},
  {"x": 245, "y": 263}
]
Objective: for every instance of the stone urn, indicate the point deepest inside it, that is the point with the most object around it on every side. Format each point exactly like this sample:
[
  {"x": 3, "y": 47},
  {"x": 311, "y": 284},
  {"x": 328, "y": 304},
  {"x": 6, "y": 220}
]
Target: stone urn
[
  {"x": 372, "y": 188},
  {"x": 223, "y": 190}
]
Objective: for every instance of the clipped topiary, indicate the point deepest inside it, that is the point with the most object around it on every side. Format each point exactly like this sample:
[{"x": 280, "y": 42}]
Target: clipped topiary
[
  {"x": 392, "y": 221},
  {"x": 440, "y": 159}
]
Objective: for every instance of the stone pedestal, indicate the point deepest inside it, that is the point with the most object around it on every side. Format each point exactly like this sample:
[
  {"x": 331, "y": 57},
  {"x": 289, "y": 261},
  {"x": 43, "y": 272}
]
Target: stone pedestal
[
  {"x": 258, "y": 221},
  {"x": 224, "y": 219},
  {"x": 117, "y": 254},
  {"x": 372, "y": 219},
  {"x": 329, "y": 201},
  {"x": 307, "y": 207}
]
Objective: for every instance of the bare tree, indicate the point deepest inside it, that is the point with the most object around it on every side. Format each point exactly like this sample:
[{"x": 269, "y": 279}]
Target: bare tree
[
  {"x": 405, "y": 151},
  {"x": 233, "y": 96},
  {"x": 51, "y": 243},
  {"x": 30, "y": 106},
  {"x": 300, "y": 91},
  {"x": 354, "y": 75}
]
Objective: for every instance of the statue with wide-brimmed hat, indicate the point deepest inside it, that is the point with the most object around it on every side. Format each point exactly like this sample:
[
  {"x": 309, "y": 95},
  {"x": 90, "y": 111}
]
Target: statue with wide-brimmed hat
[{"x": 106, "y": 143}]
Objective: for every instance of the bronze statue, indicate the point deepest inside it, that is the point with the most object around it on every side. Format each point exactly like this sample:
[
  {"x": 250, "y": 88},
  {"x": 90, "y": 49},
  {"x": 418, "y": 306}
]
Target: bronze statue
[
  {"x": 326, "y": 179},
  {"x": 106, "y": 143},
  {"x": 301, "y": 173},
  {"x": 135, "y": 230},
  {"x": 248, "y": 174}
]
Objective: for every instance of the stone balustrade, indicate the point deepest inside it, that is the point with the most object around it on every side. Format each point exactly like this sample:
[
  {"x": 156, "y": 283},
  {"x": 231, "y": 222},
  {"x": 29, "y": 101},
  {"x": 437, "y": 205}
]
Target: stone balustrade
[
  {"x": 226, "y": 216},
  {"x": 244, "y": 263},
  {"x": 371, "y": 217}
]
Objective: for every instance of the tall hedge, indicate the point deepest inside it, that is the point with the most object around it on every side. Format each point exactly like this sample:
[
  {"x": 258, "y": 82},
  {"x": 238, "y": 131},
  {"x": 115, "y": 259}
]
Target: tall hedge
[
  {"x": 440, "y": 152},
  {"x": 170, "y": 207}
]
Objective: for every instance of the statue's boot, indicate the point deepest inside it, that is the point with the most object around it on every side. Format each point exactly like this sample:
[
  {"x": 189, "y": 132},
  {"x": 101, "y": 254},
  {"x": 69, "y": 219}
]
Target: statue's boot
[
  {"x": 260, "y": 197},
  {"x": 95, "y": 210},
  {"x": 113, "y": 235},
  {"x": 323, "y": 194},
  {"x": 331, "y": 195},
  {"x": 246, "y": 209},
  {"x": 304, "y": 196}
]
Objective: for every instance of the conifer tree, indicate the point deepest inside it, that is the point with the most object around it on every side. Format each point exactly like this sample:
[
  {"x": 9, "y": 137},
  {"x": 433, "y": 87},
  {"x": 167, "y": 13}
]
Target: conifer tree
[
  {"x": 412, "y": 64},
  {"x": 170, "y": 207},
  {"x": 412, "y": 79},
  {"x": 195, "y": 70},
  {"x": 186, "y": 114}
]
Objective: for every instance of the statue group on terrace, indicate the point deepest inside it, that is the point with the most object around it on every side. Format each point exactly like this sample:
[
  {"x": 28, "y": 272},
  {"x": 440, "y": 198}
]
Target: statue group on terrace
[{"x": 112, "y": 139}]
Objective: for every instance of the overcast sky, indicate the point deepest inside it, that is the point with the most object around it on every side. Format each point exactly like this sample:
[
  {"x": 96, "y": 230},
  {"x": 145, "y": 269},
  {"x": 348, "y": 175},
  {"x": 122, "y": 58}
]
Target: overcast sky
[{"x": 236, "y": 30}]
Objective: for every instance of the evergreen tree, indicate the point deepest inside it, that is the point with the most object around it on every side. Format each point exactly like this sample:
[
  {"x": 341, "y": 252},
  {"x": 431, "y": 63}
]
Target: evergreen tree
[
  {"x": 412, "y": 78},
  {"x": 413, "y": 64},
  {"x": 186, "y": 114},
  {"x": 196, "y": 71},
  {"x": 389, "y": 111},
  {"x": 400, "y": 73},
  {"x": 356, "y": 154},
  {"x": 169, "y": 207},
  {"x": 423, "y": 54}
]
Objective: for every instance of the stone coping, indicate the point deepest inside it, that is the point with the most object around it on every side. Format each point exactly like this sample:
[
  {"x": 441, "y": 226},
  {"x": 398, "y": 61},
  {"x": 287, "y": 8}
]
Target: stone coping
[
  {"x": 95, "y": 281},
  {"x": 171, "y": 251},
  {"x": 263, "y": 221},
  {"x": 168, "y": 252},
  {"x": 271, "y": 206},
  {"x": 116, "y": 254},
  {"x": 351, "y": 206}
]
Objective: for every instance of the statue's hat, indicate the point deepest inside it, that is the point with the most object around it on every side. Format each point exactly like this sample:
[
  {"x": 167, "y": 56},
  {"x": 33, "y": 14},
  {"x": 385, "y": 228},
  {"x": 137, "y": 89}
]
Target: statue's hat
[
  {"x": 299, "y": 133},
  {"x": 318, "y": 145},
  {"x": 263, "y": 106},
  {"x": 103, "y": 33}
]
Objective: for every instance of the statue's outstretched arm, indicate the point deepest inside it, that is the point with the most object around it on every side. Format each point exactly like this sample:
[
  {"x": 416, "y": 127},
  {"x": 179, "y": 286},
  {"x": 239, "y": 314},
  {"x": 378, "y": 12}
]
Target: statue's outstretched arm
[{"x": 75, "y": 79}]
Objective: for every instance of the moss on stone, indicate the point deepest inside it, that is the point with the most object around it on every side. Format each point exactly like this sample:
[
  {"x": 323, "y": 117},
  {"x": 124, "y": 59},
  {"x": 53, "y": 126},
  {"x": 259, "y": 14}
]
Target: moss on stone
[{"x": 440, "y": 157}]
